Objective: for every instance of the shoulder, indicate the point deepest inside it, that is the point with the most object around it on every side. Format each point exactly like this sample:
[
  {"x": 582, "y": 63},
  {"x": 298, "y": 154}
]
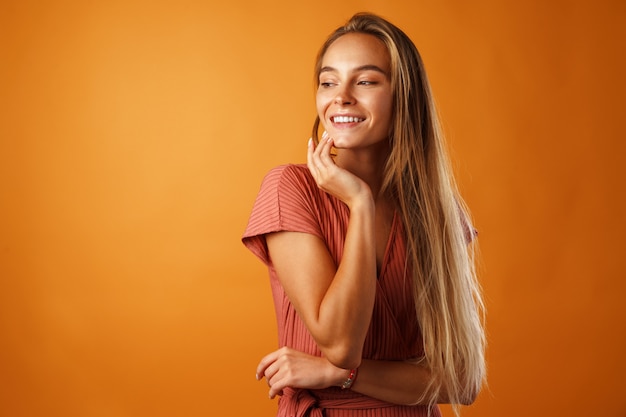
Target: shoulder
[
  {"x": 289, "y": 174},
  {"x": 287, "y": 186},
  {"x": 285, "y": 202},
  {"x": 290, "y": 179}
]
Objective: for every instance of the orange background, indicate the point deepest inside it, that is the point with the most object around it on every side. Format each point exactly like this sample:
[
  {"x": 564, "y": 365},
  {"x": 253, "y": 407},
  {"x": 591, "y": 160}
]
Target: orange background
[{"x": 134, "y": 136}]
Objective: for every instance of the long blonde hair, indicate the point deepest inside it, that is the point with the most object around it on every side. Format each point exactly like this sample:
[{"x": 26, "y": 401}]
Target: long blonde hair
[{"x": 439, "y": 234}]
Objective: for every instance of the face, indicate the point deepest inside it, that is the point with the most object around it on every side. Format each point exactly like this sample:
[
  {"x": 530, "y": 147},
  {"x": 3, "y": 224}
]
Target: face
[{"x": 354, "y": 97}]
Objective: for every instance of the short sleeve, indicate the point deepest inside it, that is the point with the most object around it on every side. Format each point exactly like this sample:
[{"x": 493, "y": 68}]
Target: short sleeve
[{"x": 286, "y": 202}]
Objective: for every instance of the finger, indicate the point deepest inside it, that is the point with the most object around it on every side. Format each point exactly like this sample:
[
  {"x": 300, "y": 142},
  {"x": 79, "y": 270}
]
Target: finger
[
  {"x": 318, "y": 156},
  {"x": 323, "y": 144},
  {"x": 316, "y": 165},
  {"x": 276, "y": 389},
  {"x": 267, "y": 361},
  {"x": 275, "y": 361},
  {"x": 277, "y": 384},
  {"x": 271, "y": 371},
  {"x": 325, "y": 153},
  {"x": 309, "y": 157}
]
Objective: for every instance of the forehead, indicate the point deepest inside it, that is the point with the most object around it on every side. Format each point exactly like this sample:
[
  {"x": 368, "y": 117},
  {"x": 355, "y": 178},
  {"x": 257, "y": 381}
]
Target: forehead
[{"x": 357, "y": 49}]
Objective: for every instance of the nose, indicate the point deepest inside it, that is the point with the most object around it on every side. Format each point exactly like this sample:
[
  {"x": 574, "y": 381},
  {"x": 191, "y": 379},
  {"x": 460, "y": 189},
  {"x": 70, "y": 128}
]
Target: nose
[{"x": 344, "y": 96}]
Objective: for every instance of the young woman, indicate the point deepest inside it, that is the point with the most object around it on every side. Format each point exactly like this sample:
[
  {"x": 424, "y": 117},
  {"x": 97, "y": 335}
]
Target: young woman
[{"x": 369, "y": 245}]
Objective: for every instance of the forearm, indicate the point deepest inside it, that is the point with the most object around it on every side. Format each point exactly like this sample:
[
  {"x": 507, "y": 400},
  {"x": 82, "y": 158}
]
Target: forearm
[
  {"x": 396, "y": 382},
  {"x": 346, "y": 308},
  {"x": 334, "y": 301}
]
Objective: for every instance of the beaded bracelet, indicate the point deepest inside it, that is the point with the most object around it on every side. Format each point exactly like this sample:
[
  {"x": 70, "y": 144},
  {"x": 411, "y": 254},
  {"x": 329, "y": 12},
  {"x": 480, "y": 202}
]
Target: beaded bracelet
[{"x": 348, "y": 382}]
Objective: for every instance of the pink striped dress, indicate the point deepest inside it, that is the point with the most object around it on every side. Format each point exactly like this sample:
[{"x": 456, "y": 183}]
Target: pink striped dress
[{"x": 290, "y": 200}]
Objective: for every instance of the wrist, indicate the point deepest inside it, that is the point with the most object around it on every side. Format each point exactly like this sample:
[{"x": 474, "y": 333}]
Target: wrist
[
  {"x": 349, "y": 376},
  {"x": 364, "y": 202}
]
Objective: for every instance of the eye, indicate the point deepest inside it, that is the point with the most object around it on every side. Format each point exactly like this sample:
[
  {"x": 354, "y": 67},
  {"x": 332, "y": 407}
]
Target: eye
[
  {"x": 326, "y": 84},
  {"x": 366, "y": 82}
]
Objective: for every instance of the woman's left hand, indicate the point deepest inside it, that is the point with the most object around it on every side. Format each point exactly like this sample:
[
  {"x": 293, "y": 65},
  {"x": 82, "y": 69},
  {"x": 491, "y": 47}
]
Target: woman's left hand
[{"x": 288, "y": 367}]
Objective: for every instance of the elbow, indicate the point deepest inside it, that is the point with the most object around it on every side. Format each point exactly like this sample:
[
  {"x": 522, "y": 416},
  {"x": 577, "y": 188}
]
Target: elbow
[{"x": 344, "y": 356}]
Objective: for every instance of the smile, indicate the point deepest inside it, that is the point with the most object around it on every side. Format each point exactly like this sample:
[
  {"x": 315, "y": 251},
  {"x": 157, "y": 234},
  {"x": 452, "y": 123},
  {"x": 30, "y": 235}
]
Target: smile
[{"x": 346, "y": 119}]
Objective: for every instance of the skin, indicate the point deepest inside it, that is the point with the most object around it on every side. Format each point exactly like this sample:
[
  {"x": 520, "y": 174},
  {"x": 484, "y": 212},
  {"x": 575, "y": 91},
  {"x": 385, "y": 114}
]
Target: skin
[{"x": 336, "y": 302}]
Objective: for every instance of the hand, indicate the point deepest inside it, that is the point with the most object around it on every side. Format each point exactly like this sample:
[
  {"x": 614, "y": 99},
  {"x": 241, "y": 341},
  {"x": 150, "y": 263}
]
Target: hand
[
  {"x": 329, "y": 177},
  {"x": 288, "y": 367}
]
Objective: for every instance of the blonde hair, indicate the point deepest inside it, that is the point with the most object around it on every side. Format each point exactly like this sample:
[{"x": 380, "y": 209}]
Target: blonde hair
[{"x": 440, "y": 246}]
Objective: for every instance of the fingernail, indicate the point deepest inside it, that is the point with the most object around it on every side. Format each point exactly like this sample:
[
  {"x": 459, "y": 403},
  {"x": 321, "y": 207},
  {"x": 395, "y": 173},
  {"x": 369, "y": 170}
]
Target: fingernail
[
  {"x": 324, "y": 134},
  {"x": 310, "y": 142}
]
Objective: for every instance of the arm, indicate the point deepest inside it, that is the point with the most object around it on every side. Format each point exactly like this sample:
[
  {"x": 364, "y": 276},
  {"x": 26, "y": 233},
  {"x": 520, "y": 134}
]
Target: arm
[
  {"x": 334, "y": 302},
  {"x": 396, "y": 382}
]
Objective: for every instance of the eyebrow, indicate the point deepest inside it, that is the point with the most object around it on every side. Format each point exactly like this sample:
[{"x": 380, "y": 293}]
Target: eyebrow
[{"x": 362, "y": 68}]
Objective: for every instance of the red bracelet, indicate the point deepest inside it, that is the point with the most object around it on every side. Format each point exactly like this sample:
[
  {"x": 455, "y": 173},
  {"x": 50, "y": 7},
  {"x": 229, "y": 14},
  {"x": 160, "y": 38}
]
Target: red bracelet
[{"x": 348, "y": 382}]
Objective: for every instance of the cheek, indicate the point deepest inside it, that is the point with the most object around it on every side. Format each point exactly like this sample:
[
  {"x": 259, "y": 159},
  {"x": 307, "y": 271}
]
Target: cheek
[
  {"x": 384, "y": 110},
  {"x": 387, "y": 108},
  {"x": 320, "y": 104}
]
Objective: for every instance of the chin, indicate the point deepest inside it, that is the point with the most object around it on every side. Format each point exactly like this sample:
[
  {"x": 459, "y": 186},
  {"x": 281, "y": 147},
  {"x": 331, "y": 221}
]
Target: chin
[
  {"x": 343, "y": 137},
  {"x": 341, "y": 143}
]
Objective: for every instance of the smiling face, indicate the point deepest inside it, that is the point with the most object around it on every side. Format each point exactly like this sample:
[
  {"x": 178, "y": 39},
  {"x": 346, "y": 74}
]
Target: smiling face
[{"x": 354, "y": 95}]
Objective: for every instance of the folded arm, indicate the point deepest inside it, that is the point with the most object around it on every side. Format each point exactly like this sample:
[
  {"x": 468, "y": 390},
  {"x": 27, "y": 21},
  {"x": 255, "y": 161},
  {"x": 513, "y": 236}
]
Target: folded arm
[{"x": 397, "y": 382}]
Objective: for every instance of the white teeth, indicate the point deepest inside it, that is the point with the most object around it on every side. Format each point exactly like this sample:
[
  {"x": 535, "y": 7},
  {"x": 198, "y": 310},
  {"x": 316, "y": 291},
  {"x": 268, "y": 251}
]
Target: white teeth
[{"x": 347, "y": 119}]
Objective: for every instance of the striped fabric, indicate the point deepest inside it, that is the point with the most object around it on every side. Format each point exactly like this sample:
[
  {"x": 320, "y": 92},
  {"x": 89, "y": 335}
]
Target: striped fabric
[{"x": 290, "y": 200}]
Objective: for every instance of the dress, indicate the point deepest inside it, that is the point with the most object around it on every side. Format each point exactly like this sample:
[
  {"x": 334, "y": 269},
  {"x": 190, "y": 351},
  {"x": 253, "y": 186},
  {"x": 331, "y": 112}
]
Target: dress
[{"x": 290, "y": 200}]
